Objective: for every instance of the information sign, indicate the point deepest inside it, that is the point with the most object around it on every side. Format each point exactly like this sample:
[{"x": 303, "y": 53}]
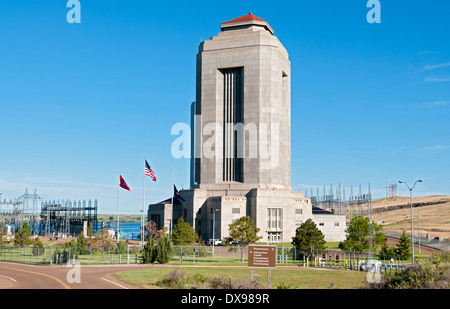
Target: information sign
[{"x": 261, "y": 256}]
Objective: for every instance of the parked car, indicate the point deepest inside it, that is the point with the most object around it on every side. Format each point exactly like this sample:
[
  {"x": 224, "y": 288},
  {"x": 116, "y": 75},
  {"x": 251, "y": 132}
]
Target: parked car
[{"x": 217, "y": 242}]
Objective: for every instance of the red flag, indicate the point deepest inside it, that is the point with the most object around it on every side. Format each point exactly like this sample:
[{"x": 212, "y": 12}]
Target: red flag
[{"x": 123, "y": 184}]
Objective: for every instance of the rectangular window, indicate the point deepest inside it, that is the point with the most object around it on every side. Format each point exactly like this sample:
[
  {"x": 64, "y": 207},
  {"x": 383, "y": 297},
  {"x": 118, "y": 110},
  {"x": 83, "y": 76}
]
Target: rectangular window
[
  {"x": 274, "y": 237},
  {"x": 236, "y": 211},
  {"x": 298, "y": 211},
  {"x": 275, "y": 218}
]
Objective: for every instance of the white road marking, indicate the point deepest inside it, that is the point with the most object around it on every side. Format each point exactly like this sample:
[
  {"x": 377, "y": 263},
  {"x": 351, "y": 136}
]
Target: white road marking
[
  {"x": 8, "y": 278},
  {"x": 115, "y": 283}
]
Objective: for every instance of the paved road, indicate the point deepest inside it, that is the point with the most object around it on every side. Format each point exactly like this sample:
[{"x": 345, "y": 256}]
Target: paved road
[{"x": 25, "y": 276}]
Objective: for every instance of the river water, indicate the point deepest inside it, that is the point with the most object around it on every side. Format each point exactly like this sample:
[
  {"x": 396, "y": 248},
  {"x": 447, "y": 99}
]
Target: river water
[{"x": 129, "y": 230}]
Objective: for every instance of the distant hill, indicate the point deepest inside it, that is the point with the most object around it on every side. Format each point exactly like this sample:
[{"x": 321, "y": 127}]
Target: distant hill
[
  {"x": 122, "y": 217},
  {"x": 395, "y": 215}
]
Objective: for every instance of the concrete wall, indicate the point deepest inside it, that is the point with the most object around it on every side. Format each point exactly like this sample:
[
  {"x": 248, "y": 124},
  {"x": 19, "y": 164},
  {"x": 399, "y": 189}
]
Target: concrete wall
[{"x": 332, "y": 226}]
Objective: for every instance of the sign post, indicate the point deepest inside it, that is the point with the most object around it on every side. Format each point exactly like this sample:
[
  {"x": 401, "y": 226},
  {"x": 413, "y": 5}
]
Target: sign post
[{"x": 261, "y": 257}]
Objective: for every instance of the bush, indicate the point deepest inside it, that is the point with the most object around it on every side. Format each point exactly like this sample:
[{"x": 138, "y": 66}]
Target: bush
[
  {"x": 180, "y": 280},
  {"x": 161, "y": 253},
  {"x": 175, "y": 279},
  {"x": 431, "y": 274},
  {"x": 149, "y": 252},
  {"x": 218, "y": 282},
  {"x": 164, "y": 250},
  {"x": 60, "y": 255},
  {"x": 121, "y": 247},
  {"x": 38, "y": 247},
  {"x": 134, "y": 249},
  {"x": 387, "y": 252}
]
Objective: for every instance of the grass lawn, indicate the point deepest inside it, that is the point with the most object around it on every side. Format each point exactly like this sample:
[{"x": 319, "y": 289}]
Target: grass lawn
[{"x": 301, "y": 278}]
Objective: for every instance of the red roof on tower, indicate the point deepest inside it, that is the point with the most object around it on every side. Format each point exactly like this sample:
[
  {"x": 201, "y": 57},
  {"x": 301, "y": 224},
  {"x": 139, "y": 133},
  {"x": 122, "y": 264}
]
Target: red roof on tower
[
  {"x": 247, "y": 17},
  {"x": 246, "y": 20}
]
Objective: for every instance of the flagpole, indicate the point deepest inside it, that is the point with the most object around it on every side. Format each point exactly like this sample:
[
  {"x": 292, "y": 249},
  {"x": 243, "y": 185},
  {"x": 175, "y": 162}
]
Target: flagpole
[
  {"x": 171, "y": 220},
  {"x": 118, "y": 208},
  {"x": 143, "y": 207}
]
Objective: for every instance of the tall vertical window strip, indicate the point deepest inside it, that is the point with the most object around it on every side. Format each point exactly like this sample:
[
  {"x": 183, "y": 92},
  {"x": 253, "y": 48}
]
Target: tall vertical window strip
[
  {"x": 232, "y": 114},
  {"x": 275, "y": 218}
]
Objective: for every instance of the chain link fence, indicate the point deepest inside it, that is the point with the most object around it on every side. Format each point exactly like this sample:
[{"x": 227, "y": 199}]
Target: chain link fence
[
  {"x": 195, "y": 255},
  {"x": 436, "y": 243},
  {"x": 61, "y": 255},
  {"x": 330, "y": 258}
]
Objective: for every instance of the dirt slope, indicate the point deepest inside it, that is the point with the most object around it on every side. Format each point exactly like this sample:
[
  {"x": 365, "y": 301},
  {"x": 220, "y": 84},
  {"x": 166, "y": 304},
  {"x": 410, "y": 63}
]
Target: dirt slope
[{"x": 395, "y": 215}]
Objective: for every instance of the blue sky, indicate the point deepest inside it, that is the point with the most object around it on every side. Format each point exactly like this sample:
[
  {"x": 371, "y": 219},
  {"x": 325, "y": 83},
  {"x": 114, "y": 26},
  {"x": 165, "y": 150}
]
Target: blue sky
[{"x": 80, "y": 102}]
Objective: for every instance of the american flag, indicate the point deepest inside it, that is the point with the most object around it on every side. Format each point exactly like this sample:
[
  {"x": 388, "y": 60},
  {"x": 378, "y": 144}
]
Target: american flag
[{"x": 148, "y": 171}]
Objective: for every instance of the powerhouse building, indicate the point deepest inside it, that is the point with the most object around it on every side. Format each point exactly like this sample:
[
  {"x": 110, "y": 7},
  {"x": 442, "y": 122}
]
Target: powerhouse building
[{"x": 241, "y": 141}]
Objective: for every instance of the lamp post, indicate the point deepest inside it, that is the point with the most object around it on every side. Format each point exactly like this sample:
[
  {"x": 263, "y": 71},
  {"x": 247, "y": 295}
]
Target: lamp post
[
  {"x": 1, "y": 219},
  {"x": 410, "y": 199},
  {"x": 214, "y": 210}
]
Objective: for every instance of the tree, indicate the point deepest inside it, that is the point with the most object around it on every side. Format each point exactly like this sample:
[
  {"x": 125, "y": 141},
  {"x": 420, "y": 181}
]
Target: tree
[
  {"x": 387, "y": 252},
  {"x": 308, "y": 236},
  {"x": 150, "y": 228},
  {"x": 37, "y": 246},
  {"x": 26, "y": 227},
  {"x": 242, "y": 231},
  {"x": 404, "y": 247},
  {"x": 149, "y": 252},
  {"x": 82, "y": 244},
  {"x": 3, "y": 232},
  {"x": 183, "y": 233},
  {"x": 23, "y": 236},
  {"x": 358, "y": 235},
  {"x": 160, "y": 233},
  {"x": 90, "y": 235},
  {"x": 103, "y": 238},
  {"x": 164, "y": 250}
]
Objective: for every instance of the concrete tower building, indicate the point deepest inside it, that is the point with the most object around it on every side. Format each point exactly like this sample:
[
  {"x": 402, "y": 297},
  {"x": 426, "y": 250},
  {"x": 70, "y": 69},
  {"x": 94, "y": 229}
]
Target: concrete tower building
[{"x": 241, "y": 145}]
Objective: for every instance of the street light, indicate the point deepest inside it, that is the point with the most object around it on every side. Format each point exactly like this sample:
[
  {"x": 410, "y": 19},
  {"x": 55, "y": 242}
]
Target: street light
[
  {"x": 214, "y": 210},
  {"x": 410, "y": 199}
]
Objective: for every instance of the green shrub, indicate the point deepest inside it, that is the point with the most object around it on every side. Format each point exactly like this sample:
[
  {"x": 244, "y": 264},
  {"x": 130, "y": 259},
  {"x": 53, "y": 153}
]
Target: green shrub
[
  {"x": 149, "y": 252},
  {"x": 38, "y": 247},
  {"x": 431, "y": 274},
  {"x": 164, "y": 250},
  {"x": 175, "y": 279},
  {"x": 121, "y": 247}
]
